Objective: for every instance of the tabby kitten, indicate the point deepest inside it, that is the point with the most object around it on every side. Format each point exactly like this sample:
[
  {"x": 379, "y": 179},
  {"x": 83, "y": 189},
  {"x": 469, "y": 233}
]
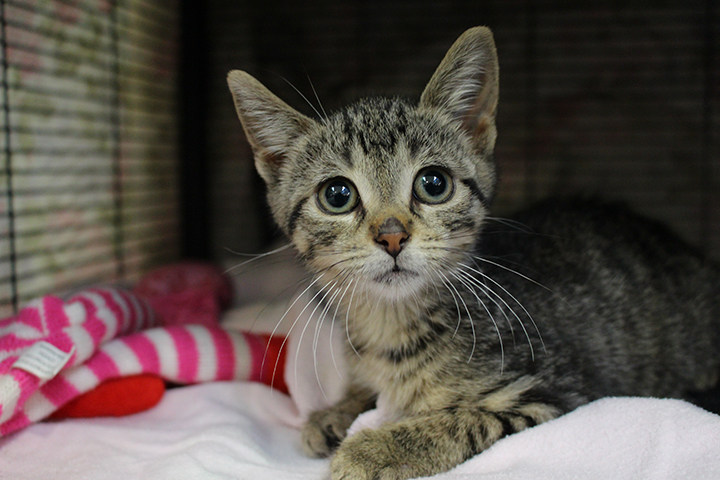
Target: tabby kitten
[{"x": 464, "y": 329}]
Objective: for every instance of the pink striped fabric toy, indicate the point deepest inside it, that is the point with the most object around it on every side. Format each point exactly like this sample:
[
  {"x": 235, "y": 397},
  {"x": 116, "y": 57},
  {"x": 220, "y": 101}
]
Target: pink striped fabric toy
[{"x": 55, "y": 350}]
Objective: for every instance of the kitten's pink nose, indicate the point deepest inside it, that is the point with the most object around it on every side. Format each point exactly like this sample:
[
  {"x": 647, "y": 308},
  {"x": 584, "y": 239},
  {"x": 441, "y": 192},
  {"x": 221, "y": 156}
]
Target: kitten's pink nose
[{"x": 392, "y": 236}]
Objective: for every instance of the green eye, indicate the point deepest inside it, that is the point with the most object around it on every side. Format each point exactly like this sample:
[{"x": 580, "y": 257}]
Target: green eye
[
  {"x": 433, "y": 185},
  {"x": 338, "y": 195}
]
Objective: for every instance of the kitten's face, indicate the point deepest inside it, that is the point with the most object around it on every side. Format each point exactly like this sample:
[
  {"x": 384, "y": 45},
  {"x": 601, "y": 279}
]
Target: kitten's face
[{"x": 384, "y": 194}]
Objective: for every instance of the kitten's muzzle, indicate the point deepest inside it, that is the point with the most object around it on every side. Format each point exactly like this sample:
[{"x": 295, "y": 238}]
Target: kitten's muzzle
[{"x": 392, "y": 236}]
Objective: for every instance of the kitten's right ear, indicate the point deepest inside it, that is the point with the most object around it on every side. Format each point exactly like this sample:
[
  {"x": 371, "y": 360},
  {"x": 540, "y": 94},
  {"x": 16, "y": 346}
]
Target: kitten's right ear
[
  {"x": 271, "y": 125},
  {"x": 465, "y": 86}
]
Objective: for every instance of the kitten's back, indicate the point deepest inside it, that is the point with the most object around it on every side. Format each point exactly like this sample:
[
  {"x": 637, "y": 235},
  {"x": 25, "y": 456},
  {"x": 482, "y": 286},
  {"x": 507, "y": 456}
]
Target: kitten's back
[{"x": 635, "y": 303}]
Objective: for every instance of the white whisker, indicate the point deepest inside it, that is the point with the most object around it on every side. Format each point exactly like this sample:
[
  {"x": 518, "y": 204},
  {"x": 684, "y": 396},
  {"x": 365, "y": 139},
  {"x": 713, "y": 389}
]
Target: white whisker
[
  {"x": 262, "y": 364},
  {"x": 492, "y": 319},
  {"x": 297, "y": 319},
  {"x": 318, "y": 327},
  {"x": 347, "y": 321},
  {"x": 278, "y": 295},
  {"x": 316, "y": 96},
  {"x": 301, "y": 94},
  {"x": 457, "y": 304},
  {"x": 332, "y": 327},
  {"x": 508, "y": 222},
  {"x": 521, "y": 276},
  {"x": 487, "y": 291},
  {"x": 314, "y": 344},
  {"x": 532, "y": 350},
  {"x": 472, "y": 325},
  {"x": 256, "y": 256}
]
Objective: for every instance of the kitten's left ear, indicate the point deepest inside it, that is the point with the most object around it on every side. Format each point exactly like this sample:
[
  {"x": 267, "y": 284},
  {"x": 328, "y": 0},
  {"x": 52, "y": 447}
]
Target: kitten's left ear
[
  {"x": 465, "y": 86},
  {"x": 271, "y": 125}
]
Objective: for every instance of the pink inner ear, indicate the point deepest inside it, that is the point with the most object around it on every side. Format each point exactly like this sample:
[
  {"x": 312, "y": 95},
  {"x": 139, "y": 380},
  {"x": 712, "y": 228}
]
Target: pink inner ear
[
  {"x": 483, "y": 107},
  {"x": 274, "y": 159},
  {"x": 478, "y": 128}
]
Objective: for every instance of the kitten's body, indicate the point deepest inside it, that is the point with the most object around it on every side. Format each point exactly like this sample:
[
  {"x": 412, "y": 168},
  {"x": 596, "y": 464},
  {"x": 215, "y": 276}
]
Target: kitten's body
[{"x": 468, "y": 336}]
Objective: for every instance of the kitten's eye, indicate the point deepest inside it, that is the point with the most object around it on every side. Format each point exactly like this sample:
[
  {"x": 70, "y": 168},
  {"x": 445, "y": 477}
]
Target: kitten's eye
[
  {"x": 338, "y": 195},
  {"x": 433, "y": 185}
]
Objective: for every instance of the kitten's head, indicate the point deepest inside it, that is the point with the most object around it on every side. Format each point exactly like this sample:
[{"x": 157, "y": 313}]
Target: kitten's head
[{"x": 386, "y": 193}]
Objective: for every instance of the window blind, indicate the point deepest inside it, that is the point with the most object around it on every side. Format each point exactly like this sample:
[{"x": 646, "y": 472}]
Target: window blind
[{"x": 88, "y": 145}]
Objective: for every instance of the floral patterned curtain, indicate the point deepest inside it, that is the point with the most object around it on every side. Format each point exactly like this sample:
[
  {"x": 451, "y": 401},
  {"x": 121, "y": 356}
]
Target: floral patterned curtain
[{"x": 88, "y": 156}]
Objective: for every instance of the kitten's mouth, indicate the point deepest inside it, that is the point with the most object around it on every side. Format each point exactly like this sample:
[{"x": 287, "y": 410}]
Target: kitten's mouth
[{"x": 395, "y": 275}]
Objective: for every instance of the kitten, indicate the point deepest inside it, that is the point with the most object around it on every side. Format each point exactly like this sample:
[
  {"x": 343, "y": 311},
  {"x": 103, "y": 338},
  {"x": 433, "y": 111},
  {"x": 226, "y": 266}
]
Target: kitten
[{"x": 466, "y": 329}]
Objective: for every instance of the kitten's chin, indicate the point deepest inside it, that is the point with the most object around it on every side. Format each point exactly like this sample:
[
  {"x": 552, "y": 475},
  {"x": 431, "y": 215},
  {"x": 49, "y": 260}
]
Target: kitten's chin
[{"x": 397, "y": 284}]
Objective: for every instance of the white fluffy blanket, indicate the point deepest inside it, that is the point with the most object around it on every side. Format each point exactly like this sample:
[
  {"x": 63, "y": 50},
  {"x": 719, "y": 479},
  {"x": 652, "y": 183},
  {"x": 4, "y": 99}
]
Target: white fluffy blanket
[{"x": 241, "y": 431}]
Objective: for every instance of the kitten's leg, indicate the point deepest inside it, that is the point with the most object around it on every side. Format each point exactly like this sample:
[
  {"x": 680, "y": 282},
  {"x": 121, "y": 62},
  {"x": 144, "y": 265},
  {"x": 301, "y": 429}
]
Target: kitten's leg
[
  {"x": 431, "y": 443},
  {"x": 325, "y": 429}
]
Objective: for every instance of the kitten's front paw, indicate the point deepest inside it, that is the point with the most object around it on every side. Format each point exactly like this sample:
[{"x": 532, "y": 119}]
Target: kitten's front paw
[
  {"x": 373, "y": 455},
  {"x": 324, "y": 431}
]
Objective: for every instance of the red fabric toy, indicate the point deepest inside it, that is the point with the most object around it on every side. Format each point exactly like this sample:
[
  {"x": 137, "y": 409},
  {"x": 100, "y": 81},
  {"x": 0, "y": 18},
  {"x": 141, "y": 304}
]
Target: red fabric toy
[{"x": 98, "y": 355}]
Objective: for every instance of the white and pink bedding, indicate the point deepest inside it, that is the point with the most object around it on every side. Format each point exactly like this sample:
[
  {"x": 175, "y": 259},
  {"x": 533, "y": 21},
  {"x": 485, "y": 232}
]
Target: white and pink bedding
[{"x": 246, "y": 431}]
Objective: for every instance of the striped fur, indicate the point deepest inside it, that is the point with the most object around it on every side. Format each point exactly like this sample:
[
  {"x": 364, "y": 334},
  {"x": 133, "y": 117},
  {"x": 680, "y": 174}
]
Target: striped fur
[{"x": 477, "y": 328}]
